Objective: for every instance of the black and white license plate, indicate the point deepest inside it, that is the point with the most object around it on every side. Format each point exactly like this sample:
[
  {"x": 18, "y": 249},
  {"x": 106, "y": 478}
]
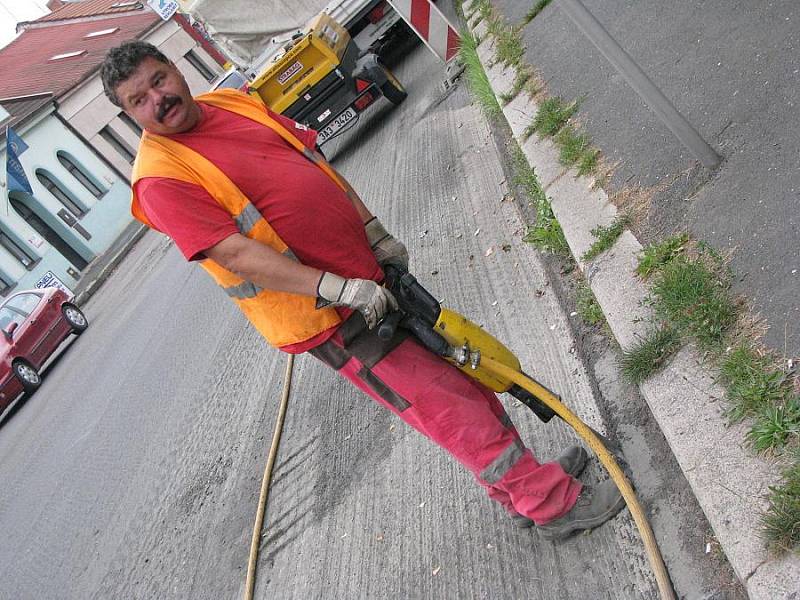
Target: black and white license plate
[{"x": 334, "y": 126}]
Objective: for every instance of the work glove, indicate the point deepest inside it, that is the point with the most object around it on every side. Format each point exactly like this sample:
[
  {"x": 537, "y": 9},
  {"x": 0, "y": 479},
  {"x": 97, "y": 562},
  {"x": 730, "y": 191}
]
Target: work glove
[
  {"x": 386, "y": 248},
  {"x": 373, "y": 301}
]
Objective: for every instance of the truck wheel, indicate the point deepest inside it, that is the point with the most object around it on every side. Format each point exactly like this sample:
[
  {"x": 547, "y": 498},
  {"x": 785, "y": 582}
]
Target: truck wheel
[{"x": 393, "y": 89}]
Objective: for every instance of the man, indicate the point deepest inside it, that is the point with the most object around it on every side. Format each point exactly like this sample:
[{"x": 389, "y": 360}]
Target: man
[{"x": 242, "y": 190}]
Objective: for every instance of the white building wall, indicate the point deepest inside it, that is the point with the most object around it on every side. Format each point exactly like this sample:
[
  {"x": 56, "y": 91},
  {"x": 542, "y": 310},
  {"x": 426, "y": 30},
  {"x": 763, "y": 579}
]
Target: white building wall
[{"x": 87, "y": 234}]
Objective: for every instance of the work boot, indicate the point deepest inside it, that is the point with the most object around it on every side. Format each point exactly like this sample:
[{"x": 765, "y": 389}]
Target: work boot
[
  {"x": 595, "y": 506},
  {"x": 572, "y": 460}
]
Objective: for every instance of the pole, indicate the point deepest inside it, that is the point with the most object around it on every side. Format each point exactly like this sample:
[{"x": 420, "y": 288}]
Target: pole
[{"x": 640, "y": 82}]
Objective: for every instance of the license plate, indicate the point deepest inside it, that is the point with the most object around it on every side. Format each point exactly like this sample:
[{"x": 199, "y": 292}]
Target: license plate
[{"x": 331, "y": 128}]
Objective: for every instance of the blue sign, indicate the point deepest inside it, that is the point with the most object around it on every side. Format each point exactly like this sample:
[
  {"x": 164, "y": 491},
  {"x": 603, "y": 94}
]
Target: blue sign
[{"x": 17, "y": 180}]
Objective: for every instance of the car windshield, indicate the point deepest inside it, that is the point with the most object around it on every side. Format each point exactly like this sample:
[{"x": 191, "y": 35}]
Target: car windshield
[{"x": 234, "y": 80}]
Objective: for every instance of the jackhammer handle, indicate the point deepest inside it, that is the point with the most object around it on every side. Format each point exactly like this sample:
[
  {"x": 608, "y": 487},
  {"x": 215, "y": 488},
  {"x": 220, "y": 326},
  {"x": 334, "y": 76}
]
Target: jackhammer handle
[{"x": 388, "y": 326}]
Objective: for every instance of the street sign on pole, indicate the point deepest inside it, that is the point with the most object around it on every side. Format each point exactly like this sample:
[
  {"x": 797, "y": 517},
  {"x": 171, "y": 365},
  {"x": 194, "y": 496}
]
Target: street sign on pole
[{"x": 164, "y": 8}]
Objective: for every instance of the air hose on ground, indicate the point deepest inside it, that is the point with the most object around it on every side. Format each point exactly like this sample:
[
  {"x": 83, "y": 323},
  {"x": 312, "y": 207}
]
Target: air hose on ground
[
  {"x": 606, "y": 458},
  {"x": 255, "y": 543}
]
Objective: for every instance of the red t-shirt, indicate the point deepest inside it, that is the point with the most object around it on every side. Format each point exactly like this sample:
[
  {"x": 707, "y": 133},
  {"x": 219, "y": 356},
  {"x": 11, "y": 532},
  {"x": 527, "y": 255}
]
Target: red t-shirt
[{"x": 309, "y": 212}]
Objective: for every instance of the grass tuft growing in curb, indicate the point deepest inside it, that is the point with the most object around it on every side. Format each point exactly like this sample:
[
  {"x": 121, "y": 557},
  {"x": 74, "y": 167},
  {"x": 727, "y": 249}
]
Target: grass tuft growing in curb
[
  {"x": 553, "y": 114},
  {"x": 476, "y": 77},
  {"x": 588, "y": 161},
  {"x": 691, "y": 295},
  {"x": 546, "y": 234},
  {"x": 781, "y": 522},
  {"x": 571, "y": 145},
  {"x": 649, "y": 355},
  {"x": 508, "y": 46},
  {"x": 606, "y": 236},
  {"x": 574, "y": 148},
  {"x": 587, "y": 306},
  {"x": 753, "y": 383},
  {"x": 776, "y": 426},
  {"x": 522, "y": 78},
  {"x": 657, "y": 255}
]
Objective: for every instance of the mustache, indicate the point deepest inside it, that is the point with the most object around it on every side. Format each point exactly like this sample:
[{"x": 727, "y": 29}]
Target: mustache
[{"x": 166, "y": 104}]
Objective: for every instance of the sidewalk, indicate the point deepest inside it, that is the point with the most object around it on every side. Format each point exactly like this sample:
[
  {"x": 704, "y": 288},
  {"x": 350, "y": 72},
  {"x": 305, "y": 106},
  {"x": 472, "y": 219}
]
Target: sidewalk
[
  {"x": 729, "y": 481},
  {"x": 101, "y": 267}
]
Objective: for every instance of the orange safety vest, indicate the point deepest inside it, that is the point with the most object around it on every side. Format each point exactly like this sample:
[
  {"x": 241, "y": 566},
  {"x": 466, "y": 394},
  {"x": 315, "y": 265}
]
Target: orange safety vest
[{"x": 282, "y": 318}]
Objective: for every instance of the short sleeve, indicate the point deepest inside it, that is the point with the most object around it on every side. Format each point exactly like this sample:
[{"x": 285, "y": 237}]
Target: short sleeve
[
  {"x": 305, "y": 134},
  {"x": 186, "y": 213}
]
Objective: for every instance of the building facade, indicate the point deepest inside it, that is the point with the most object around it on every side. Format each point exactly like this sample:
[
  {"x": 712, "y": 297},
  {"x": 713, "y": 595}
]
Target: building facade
[{"x": 78, "y": 206}]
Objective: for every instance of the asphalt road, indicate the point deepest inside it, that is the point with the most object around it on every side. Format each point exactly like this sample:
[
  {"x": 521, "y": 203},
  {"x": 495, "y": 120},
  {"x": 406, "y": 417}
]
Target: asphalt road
[{"x": 134, "y": 471}]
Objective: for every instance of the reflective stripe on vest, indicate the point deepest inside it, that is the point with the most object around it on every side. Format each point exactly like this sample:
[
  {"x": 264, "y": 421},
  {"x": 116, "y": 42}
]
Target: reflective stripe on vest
[{"x": 248, "y": 218}]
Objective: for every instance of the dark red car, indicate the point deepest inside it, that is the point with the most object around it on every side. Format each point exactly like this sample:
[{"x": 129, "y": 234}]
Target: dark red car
[{"x": 33, "y": 324}]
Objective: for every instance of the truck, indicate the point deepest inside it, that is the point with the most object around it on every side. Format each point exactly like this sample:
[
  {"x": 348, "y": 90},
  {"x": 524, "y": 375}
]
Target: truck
[
  {"x": 321, "y": 78},
  {"x": 371, "y": 23}
]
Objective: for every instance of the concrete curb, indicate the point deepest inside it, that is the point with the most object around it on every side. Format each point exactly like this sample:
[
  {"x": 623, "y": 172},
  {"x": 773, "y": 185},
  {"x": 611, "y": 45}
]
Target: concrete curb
[
  {"x": 729, "y": 481},
  {"x": 102, "y": 267}
]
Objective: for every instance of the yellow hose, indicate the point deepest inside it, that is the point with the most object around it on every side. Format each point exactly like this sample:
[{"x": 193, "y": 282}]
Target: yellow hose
[
  {"x": 262, "y": 500},
  {"x": 653, "y": 553}
]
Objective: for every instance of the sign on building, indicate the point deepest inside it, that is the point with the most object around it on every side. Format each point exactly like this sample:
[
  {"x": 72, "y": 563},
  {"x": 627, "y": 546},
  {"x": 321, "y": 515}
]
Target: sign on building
[
  {"x": 164, "y": 8},
  {"x": 49, "y": 280}
]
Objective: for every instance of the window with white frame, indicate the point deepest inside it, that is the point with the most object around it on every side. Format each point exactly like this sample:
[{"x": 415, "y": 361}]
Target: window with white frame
[
  {"x": 116, "y": 142},
  {"x": 133, "y": 125},
  {"x": 59, "y": 193},
  {"x": 201, "y": 67},
  {"x": 80, "y": 174},
  {"x": 17, "y": 251}
]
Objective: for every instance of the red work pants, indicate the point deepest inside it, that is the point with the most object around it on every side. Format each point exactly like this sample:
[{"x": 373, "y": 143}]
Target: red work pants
[{"x": 457, "y": 413}]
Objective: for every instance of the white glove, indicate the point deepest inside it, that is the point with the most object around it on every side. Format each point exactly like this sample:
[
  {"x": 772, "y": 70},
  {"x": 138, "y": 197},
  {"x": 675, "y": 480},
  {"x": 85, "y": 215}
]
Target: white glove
[
  {"x": 373, "y": 301},
  {"x": 386, "y": 248}
]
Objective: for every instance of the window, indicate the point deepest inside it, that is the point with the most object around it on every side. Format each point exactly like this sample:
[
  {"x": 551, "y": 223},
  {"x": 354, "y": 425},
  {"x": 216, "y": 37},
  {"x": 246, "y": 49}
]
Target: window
[
  {"x": 133, "y": 4},
  {"x": 125, "y": 118},
  {"x": 17, "y": 202},
  {"x": 78, "y": 173},
  {"x": 8, "y": 316},
  {"x": 198, "y": 64},
  {"x": 17, "y": 251},
  {"x": 5, "y": 286},
  {"x": 59, "y": 194},
  {"x": 68, "y": 55},
  {"x": 116, "y": 142},
  {"x": 24, "y": 303},
  {"x": 102, "y": 32}
]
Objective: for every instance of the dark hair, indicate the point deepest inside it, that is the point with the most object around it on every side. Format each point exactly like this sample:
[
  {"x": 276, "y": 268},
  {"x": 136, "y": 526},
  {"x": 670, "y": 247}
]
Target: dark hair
[{"x": 122, "y": 61}]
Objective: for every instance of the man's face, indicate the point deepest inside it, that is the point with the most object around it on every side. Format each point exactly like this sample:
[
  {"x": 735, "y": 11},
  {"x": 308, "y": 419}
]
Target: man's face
[{"x": 157, "y": 97}]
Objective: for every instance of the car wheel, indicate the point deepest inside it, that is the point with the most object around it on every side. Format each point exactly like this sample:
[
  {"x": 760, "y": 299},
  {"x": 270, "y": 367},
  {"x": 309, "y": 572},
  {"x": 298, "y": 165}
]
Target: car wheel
[
  {"x": 27, "y": 375},
  {"x": 393, "y": 89},
  {"x": 76, "y": 319}
]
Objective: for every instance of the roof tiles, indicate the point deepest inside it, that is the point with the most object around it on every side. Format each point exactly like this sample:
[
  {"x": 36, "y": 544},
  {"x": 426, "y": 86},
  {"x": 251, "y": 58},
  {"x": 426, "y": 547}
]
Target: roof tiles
[
  {"x": 91, "y": 8},
  {"x": 26, "y": 62}
]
